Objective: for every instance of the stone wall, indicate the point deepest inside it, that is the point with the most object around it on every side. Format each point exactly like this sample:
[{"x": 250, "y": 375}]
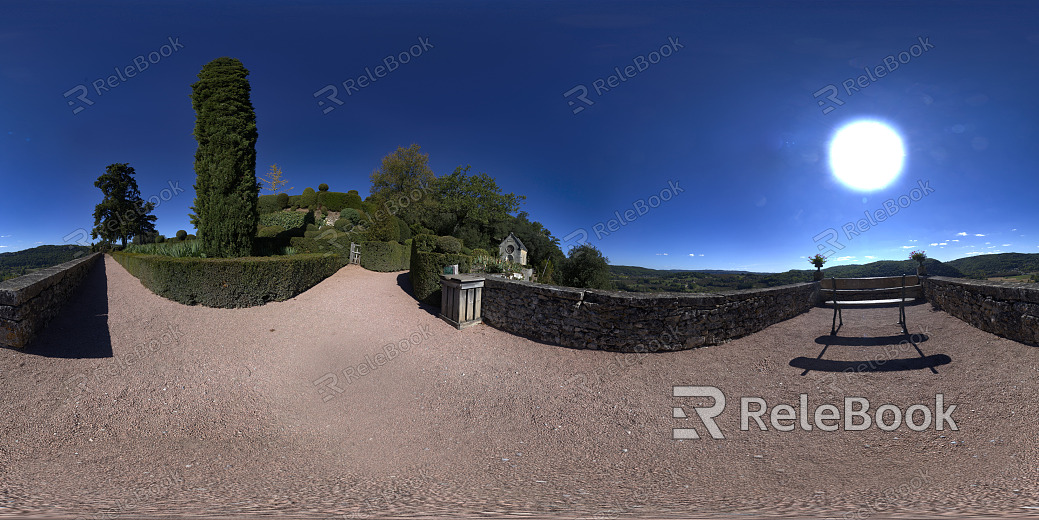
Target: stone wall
[
  {"x": 1007, "y": 309},
  {"x": 634, "y": 322},
  {"x": 28, "y": 302}
]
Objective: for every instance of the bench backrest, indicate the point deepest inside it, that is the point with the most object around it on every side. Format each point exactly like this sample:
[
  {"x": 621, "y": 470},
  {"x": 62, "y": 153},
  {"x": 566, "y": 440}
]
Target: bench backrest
[{"x": 880, "y": 282}]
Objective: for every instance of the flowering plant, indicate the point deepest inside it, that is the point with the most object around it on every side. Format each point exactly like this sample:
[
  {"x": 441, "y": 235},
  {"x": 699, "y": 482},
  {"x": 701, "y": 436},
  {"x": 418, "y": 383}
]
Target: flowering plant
[
  {"x": 919, "y": 256},
  {"x": 817, "y": 260}
]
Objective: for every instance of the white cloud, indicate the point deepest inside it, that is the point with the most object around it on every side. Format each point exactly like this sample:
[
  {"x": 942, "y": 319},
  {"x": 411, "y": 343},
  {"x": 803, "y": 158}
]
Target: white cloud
[
  {"x": 1005, "y": 245},
  {"x": 701, "y": 254},
  {"x": 907, "y": 247},
  {"x": 661, "y": 254},
  {"x": 955, "y": 240},
  {"x": 1015, "y": 229},
  {"x": 692, "y": 254},
  {"x": 843, "y": 258},
  {"x": 914, "y": 240},
  {"x": 934, "y": 243},
  {"x": 870, "y": 257},
  {"x": 987, "y": 243},
  {"x": 979, "y": 234},
  {"x": 961, "y": 234}
]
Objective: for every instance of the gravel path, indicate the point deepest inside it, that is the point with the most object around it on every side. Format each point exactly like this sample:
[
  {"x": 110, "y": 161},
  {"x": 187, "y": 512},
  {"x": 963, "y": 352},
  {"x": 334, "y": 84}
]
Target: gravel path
[{"x": 160, "y": 409}]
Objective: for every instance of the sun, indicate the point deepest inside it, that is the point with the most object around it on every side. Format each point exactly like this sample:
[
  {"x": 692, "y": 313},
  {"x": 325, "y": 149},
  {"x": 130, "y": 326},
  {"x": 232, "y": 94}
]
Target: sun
[{"x": 866, "y": 155}]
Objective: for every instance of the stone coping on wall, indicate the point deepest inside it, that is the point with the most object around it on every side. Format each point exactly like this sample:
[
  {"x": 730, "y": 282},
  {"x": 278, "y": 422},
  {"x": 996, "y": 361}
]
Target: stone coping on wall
[
  {"x": 637, "y": 322},
  {"x": 28, "y": 302},
  {"x": 1008, "y": 309}
]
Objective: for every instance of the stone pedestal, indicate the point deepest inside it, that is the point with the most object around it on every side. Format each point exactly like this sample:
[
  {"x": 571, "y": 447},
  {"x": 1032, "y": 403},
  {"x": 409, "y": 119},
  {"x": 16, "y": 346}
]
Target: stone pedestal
[{"x": 460, "y": 300}]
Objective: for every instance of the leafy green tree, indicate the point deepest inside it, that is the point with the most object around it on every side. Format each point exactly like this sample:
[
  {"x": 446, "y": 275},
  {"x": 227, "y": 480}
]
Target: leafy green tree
[
  {"x": 401, "y": 181},
  {"x": 226, "y": 190},
  {"x": 122, "y": 213},
  {"x": 382, "y": 226},
  {"x": 472, "y": 208},
  {"x": 586, "y": 267}
]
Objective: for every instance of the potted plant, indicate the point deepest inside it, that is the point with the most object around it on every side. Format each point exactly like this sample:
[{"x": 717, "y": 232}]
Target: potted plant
[
  {"x": 919, "y": 256},
  {"x": 818, "y": 261}
]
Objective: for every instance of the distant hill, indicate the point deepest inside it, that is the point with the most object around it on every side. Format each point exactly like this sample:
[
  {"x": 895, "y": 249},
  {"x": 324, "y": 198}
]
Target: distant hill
[
  {"x": 26, "y": 261},
  {"x": 642, "y": 279},
  {"x": 1002, "y": 264}
]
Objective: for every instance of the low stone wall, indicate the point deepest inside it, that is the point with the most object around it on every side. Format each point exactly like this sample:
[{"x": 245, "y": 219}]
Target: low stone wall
[
  {"x": 28, "y": 302},
  {"x": 637, "y": 322},
  {"x": 1007, "y": 309}
]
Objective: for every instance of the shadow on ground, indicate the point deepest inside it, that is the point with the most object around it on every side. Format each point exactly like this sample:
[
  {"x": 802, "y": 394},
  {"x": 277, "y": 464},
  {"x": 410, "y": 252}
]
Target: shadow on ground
[
  {"x": 873, "y": 365},
  {"x": 870, "y": 341},
  {"x": 404, "y": 282},
  {"x": 80, "y": 330}
]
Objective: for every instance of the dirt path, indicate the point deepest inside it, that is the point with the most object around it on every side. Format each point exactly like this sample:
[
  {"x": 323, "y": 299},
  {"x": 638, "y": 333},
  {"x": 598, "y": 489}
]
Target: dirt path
[{"x": 163, "y": 409}]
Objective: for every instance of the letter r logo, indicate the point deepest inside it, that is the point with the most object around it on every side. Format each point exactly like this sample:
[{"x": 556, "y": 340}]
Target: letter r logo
[{"x": 707, "y": 414}]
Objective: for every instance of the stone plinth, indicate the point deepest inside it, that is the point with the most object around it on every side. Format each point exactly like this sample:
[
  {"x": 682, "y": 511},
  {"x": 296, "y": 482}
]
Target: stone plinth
[{"x": 461, "y": 299}]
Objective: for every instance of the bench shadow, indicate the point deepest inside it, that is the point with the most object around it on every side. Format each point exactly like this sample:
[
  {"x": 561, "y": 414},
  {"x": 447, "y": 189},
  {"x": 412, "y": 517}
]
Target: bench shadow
[
  {"x": 404, "y": 282},
  {"x": 874, "y": 341},
  {"x": 881, "y": 365},
  {"x": 80, "y": 330}
]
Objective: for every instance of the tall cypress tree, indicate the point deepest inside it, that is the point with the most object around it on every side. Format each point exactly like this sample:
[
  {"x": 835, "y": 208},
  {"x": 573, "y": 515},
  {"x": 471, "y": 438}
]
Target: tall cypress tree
[{"x": 226, "y": 189}]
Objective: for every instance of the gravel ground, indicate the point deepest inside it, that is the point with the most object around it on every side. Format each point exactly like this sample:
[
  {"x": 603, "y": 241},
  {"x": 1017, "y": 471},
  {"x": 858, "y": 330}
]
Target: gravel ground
[{"x": 136, "y": 406}]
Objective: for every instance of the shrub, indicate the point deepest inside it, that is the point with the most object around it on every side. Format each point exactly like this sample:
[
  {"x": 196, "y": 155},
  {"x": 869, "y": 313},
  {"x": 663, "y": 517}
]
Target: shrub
[
  {"x": 349, "y": 219},
  {"x": 384, "y": 229},
  {"x": 269, "y": 231},
  {"x": 286, "y": 219},
  {"x": 190, "y": 248},
  {"x": 386, "y": 256},
  {"x": 228, "y": 282},
  {"x": 426, "y": 269},
  {"x": 405, "y": 231},
  {"x": 182, "y": 235},
  {"x": 424, "y": 243},
  {"x": 294, "y": 201},
  {"x": 322, "y": 187},
  {"x": 477, "y": 253},
  {"x": 267, "y": 204},
  {"x": 332, "y": 200},
  {"x": 586, "y": 267},
  {"x": 353, "y": 200},
  {"x": 308, "y": 199},
  {"x": 449, "y": 244},
  {"x": 160, "y": 239},
  {"x": 283, "y": 200}
]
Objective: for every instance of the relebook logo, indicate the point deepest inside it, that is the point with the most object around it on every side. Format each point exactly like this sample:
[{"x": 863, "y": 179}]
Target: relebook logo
[{"x": 856, "y": 414}]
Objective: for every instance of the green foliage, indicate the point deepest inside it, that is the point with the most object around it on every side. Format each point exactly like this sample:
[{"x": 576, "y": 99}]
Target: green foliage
[
  {"x": 122, "y": 214},
  {"x": 425, "y": 243},
  {"x": 472, "y": 207},
  {"x": 287, "y": 219},
  {"x": 386, "y": 256},
  {"x": 448, "y": 244},
  {"x": 332, "y": 200},
  {"x": 987, "y": 266},
  {"x": 349, "y": 219},
  {"x": 426, "y": 269},
  {"x": 269, "y": 231},
  {"x": 225, "y": 162},
  {"x": 186, "y": 249},
  {"x": 353, "y": 200},
  {"x": 322, "y": 187},
  {"x": 477, "y": 253},
  {"x": 384, "y": 228},
  {"x": 405, "y": 231},
  {"x": 283, "y": 200},
  {"x": 402, "y": 174},
  {"x": 308, "y": 199},
  {"x": 228, "y": 282},
  {"x": 268, "y": 204},
  {"x": 586, "y": 267},
  {"x": 181, "y": 234}
]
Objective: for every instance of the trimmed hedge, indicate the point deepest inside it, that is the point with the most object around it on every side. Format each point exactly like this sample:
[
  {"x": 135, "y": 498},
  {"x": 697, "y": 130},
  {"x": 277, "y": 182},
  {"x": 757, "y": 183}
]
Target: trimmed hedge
[
  {"x": 328, "y": 241},
  {"x": 308, "y": 199},
  {"x": 386, "y": 256},
  {"x": 353, "y": 200},
  {"x": 268, "y": 204},
  {"x": 229, "y": 282},
  {"x": 426, "y": 269},
  {"x": 332, "y": 200},
  {"x": 287, "y": 219},
  {"x": 449, "y": 244}
]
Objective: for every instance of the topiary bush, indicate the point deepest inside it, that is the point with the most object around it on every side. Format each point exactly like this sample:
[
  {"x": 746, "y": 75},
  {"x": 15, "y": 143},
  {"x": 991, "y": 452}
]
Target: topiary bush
[
  {"x": 269, "y": 231},
  {"x": 425, "y": 243},
  {"x": 267, "y": 204},
  {"x": 308, "y": 199},
  {"x": 353, "y": 200},
  {"x": 449, "y": 244},
  {"x": 332, "y": 200},
  {"x": 283, "y": 200},
  {"x": 386, "y": 256},
  {"x": 182, "y": 235},
  {"x": 229, "y": 282},
  {"x": 426, "y": 269},
  {"x": 384, "y": 229},
  {"x": 286, "y": 219},
  {"x": 322, "y": 187},
  {"x": 405, "y": 231}
]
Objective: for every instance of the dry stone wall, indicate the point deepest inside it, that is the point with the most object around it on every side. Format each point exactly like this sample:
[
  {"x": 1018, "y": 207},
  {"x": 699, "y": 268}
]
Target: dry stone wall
[
  {"x": 28, "y": 302},
  {"x": 634, "y": 322},
  {"x": 1007, "y": 309}
]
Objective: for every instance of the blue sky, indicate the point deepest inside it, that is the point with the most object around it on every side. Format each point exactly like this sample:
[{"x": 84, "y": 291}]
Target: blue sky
[{"x": 731, "y": 114}]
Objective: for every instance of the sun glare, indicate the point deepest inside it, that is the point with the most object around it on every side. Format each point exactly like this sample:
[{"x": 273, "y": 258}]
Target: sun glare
[{"x": 866, "y": 155}]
